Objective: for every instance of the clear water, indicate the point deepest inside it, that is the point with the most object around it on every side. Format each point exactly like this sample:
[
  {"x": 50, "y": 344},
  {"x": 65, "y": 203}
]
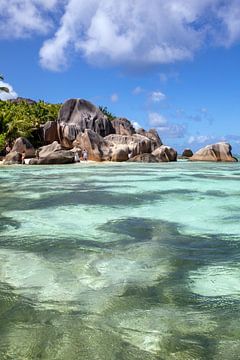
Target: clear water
[{"x": 120, "y": 261}]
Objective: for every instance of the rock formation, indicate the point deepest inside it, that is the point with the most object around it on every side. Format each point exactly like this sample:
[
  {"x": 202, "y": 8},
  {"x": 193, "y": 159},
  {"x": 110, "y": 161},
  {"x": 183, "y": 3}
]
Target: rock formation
[
  {"x": 145, "y": 158},
  {"x": 53, "y": 154},
  {"x": 165, "y": 154},
  {"x": 123, "y": 127},
  {"x": 187, "y": 153},
  {"x": 152, "y": 134},
  {"x": 23, "y": 145},
  {"x": 75, "y": 116},
  {"x": 215, "y": 152}
]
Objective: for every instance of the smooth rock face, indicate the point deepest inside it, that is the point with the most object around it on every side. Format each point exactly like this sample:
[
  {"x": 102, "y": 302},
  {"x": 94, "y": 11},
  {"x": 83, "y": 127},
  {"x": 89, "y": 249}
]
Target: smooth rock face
[
  {"x": 56, "y": 157},
  {"x": 123, "y": 126},
  {"x": 215, "y": 152},
  {"x": 46, "y": 150},
  {"x": 96, "y": 146},
  {"x": 120, "y": 153},
  {"x": 22, "y": 145},
  {"x": 145, "y": 158},
  {"x": 50, "y": 132},
  {"x": 187, "y": 153},
  {"x": 165, "y": 154},
  {"x": 76, "y": 115},
  {"x": 13, "y": 157}
]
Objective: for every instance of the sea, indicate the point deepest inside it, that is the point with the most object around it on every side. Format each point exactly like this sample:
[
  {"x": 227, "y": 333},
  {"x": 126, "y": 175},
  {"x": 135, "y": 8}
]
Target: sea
[{"x": 120, "y": 261}]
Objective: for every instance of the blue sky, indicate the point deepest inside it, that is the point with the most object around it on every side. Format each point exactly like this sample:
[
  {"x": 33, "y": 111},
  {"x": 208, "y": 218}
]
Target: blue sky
[{"x": 172, "y": 65}]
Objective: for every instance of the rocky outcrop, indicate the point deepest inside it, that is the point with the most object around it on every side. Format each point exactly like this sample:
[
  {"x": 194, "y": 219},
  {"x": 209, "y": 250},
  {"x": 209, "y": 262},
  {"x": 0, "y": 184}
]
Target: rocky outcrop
[
  {"x": 119, "y": 153},
  {"x": 75, "y": 116},
  {"x": 56, "y": 158},
  {"x": 187, "y": 153},
  {"x": 165, "y": 154},
  {"x": 145, "y": 158},
  {"x": 123, "y": 126},
  {"x": 19, "y": 100},
  {"x": 151, "y": 134},
  {"x": 96, "y": 146},
  {"x": 215, "y": 152},
  {"x": 23, "y": 145},
  {"x": 47, "y": 150},
  {"x": 50, "y": 132},
  {"x": 137, "y": 144},
  {"x": 12, "y": 158}
]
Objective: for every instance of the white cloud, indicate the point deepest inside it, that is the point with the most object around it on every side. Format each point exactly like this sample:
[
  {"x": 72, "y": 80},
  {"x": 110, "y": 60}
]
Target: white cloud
[
  {"x": 136, "y": 125},
  {"x": 200, "y": 139},
  {"x": 7, "y": 95},
  {"x": 157, "y": 96},
  {"x": 166, "y": 128},
  {"x": 156, "y": 119},
  {"x": 114, "y": 98},
  {"x": 138, "y": 33},
  {"x": 21, "y": 18},
  {"x": 138, "y": 90}
]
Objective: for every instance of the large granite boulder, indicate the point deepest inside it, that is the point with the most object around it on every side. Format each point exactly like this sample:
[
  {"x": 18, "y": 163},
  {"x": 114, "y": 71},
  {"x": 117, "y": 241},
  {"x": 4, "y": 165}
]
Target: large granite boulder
[
  {"x": 50, "y": 132},
  {"x": 76, "y": 115},
  {"x": 215, "y": 152},
  {"x": 165, "y": 153},
  {"x": 123, "y": 126},
  {"x": 23, "y": 145},
  {"x": 152, "y": 134},
  {"x": 145, "y": 158},
  {"x": 187, "y": 153},
  {"x": 12, "y": 158},
  {"x": 55, "y": 158},
  {"x": 119, "y": 153},
  {"x": 46, "y": 150},
  {"x": 96, "y": 146},
  {"x": 137, "y": 144}
]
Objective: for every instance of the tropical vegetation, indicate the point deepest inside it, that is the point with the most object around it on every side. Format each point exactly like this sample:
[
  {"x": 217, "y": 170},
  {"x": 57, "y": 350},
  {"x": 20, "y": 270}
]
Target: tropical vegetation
[{"x": 23, "y": 118}]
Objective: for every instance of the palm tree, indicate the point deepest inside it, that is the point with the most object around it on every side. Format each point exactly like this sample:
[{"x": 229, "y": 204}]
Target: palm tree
[{"x": 3, "y": 88}]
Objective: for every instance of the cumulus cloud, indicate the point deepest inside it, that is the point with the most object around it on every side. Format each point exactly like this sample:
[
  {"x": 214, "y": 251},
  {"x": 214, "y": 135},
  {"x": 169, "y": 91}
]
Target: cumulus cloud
[
  {"x": 138, "y": 32},
  {"x": 157, "y": 96},
  {"x": 114, "y": 97},
  {"x": 22, "y": 18},
  {"x": 7, "y": 95},
  {"x": 166, "y": 128}
]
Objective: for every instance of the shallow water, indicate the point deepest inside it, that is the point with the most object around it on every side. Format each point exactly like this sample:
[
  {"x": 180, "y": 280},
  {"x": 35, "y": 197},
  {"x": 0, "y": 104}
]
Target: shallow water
[{"x": 120, "y": 261}]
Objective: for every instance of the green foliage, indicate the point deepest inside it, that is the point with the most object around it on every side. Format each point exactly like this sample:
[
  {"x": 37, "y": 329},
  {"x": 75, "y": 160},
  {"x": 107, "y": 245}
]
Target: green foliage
[
  {"x": 105, "y": 111},
  {"x": 22, "y": 118},
  {"x": 2, "y": 141}
]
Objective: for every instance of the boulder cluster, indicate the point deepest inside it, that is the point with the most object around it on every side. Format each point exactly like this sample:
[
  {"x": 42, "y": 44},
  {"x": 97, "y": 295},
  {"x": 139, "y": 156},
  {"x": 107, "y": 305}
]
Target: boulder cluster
[{"x": 82, "y": 126}]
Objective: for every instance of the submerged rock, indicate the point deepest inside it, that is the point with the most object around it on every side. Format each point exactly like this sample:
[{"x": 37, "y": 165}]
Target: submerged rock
[{"x": 215, "y": 152}]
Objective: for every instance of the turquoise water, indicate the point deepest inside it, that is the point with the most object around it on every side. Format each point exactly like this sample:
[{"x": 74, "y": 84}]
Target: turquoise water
[{"x": 120, "y": 261}]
